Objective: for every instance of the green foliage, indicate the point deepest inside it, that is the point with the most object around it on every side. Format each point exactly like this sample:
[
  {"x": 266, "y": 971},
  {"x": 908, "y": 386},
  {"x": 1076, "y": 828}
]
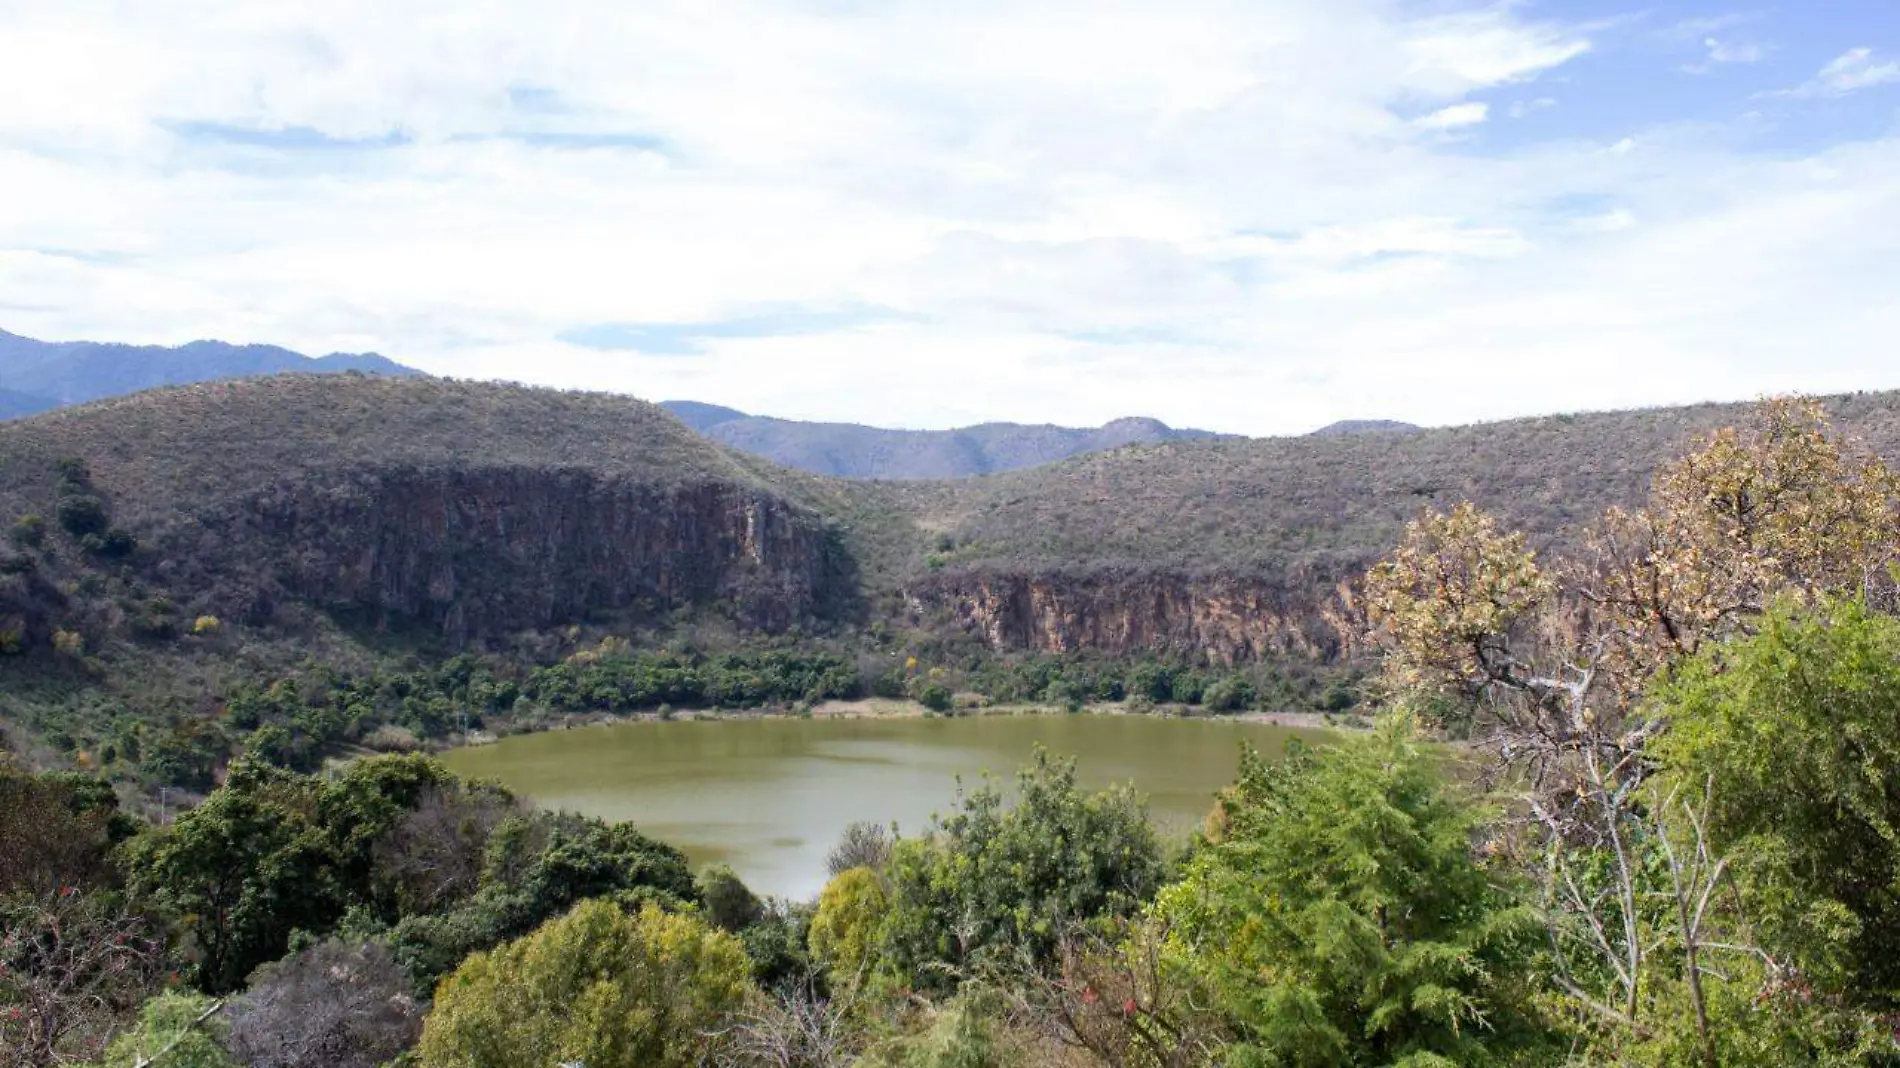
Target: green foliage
[
  {"x": 730, "y": 905},
  {"x": 82, "y": 514},
  {"x": 936, "y": 697},
  {"x": 115, "y": 543},
  {"x": 1795, "y": 735},
  {"x": 776, "y": 944},
  {"x": 184, "y": 753},
  {"x": 630, "y": 682},
  {"x": 177, "y": 1026},
  {"x": 28, "y": 532},
  {"x": 271, "y": 853},
  {"x": 537, "y": 867},
  {"x": 1229, "y": 695},
  {"x": 963, "y": 1034},
  {"x": 597, "y": 987},
  {"x": 991, "y": 883},
  {"x": 1341, "y": 919},
  {"x": 845, "y": 931}
]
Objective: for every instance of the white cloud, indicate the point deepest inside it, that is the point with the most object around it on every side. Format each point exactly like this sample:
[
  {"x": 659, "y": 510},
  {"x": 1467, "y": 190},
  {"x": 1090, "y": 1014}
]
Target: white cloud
[
  {"x": 1455, "y": 116},
  {"x": 1693, "y": 29},
  {"x": 1733, "y": 52},
  {"x": 1849, "y": 72},
  {"x": 1218, "y": 212},
  {"x": 1489, "y": 48}
]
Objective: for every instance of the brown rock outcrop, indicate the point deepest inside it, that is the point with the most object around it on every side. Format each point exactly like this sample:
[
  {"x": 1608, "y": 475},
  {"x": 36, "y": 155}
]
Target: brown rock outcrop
[{"x": 1223, "y": 618}]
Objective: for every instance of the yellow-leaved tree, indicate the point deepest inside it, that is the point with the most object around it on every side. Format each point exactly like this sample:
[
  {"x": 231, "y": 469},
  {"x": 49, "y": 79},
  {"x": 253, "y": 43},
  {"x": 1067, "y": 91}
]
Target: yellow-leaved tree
[{"x": 598, "y": 987}]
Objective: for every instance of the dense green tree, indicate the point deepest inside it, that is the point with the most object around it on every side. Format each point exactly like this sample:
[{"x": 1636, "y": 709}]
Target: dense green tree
[
  {"x": 241, "y": 872},
  {"x": 992, "y": 882},
  {"x": 271, "y": 853},
  {"x": 1794, "y": 736},
  {"x": 82, "y": 514},
  {"x": 730, "y": 904},
  {"x": 936, "y": 697},
  {"x": 598, "y": 987},
  {"x": 777, "y": 943},
  {"x": 537, "y": 867},
  {"x": 1342, "y": 922}
]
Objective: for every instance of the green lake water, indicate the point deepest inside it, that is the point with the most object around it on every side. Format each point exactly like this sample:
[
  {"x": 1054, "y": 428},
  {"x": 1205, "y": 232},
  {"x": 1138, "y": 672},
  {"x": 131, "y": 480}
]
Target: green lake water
[{"x": 770, "y": 796}]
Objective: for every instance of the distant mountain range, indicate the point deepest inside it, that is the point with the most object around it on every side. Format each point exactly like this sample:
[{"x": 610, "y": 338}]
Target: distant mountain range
[
  {"x": 848, "y": 450},
  {"x": 1364, "y": 426},
  {"x": 37, "y": 376}
]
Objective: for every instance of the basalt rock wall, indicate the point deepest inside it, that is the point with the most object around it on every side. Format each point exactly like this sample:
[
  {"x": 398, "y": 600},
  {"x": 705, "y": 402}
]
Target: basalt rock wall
[
  {"x": 488, "y": 552},
  {"x": 1222, "y": 618}
]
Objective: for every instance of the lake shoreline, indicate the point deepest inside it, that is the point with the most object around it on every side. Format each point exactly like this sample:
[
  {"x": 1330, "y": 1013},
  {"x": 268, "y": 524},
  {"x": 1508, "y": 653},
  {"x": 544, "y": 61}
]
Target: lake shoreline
[
  {"x": 770, "y": 794},
  {"x": 884, "y": 708}
]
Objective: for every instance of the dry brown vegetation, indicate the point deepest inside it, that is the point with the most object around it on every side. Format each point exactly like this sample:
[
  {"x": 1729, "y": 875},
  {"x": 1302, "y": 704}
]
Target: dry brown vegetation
[{"x": 171, "y": 455}]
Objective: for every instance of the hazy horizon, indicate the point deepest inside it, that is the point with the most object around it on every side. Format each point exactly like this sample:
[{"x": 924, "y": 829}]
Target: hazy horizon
[{"x": 1252, "y": 218}]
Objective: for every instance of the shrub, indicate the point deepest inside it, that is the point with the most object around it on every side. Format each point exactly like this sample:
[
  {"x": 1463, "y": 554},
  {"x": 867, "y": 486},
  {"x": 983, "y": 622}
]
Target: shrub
[
  {"x": 390, "y": 738},
  {"x": 335, "y": 1005},
  {"x": 1231, "y": 694},
  {"x": 844, "y": 932},
  {"x": 69, "y": 643},
  {"x": 862, "y": 845},
  {"x": 28, "y": 532},
  {"x": 936, "y": 697},
  {"x": 73, "y": 968},
  {"x": 1794, "y": 735},
  {"x": 597, "y": 986},
  {"x": 992, "y": 884},
  {"x": 116, "y": 543},
  {"x": 1340, "y": 918},
  {"x": 187, "y": 1028},
  {"x": 730, "y": 904},
  {"x": 82, "y": 514}
]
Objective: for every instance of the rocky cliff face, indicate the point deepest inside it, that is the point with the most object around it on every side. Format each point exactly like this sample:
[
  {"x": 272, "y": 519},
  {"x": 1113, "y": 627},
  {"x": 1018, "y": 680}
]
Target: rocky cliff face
[
  {"x": 1222, "y": 618},
  {"x": 486, "y": 552}
]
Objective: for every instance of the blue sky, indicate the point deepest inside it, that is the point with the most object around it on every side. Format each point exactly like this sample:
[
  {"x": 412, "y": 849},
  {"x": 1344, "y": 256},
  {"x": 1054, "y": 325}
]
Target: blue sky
[{"x": 1250, "y": 216}]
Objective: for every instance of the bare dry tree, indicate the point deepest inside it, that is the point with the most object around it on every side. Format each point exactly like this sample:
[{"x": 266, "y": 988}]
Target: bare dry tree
[
  {"x": 435, "y": 855},
  {"x": 1117, "y": 1000},
  {"x": 1546, "y": 665},
  {"x": 335, "y": 1005},
  {"x": 862, "y": 845},
  {"x": 793, "y": 1027},
  {"x": 72, "y": 968},
  {"x": 1548, "y": 662}
]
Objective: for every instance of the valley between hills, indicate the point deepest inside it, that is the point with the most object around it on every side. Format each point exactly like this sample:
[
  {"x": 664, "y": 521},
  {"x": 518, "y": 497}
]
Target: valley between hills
[{"x": 404, "y": 554}]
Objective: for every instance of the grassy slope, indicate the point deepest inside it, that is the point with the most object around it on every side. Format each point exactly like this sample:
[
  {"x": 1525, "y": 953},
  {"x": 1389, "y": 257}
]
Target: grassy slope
[
  {"x": 1271, "y": 502},
  {"x": 166, "y": 455}
]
